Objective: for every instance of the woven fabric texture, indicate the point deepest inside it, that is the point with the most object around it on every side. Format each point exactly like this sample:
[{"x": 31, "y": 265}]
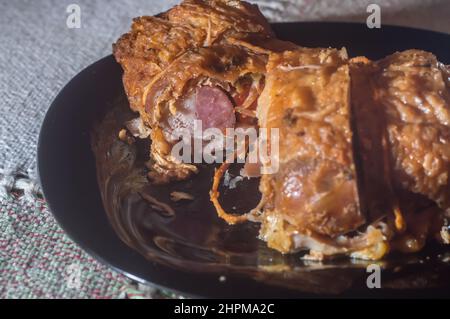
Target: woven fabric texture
[
  {"x": 39, "y": 54},
  {"x": 38, "y": 260}
]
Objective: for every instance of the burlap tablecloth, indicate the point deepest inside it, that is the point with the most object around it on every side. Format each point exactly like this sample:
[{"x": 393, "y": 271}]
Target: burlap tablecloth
[{"x": 39, "y": 54}]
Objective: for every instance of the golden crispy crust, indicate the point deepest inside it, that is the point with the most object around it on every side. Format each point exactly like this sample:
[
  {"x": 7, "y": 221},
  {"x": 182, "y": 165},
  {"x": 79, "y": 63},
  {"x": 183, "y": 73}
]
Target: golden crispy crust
[
  {"x": 412, "y": 88},
  {"x": 408, "y": 96}
]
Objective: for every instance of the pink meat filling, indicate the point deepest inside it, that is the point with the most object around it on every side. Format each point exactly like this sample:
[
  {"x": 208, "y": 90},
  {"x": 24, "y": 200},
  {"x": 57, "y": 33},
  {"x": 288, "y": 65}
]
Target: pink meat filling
[
  {"x": 211, "y": 105},
  {"x": 214, "y": 108}
]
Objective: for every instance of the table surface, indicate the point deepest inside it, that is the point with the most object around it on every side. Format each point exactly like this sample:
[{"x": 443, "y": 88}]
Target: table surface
[{"x": 39, "y": 54}]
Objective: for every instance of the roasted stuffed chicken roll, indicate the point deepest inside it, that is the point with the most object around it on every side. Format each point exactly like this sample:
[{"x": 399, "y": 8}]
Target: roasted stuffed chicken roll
[
  {"x": 191, "y": 63},
  {"x": 216, "y": 86},
  {"x": 363, "y": 153},
  {"x": 312, "y": 202}
]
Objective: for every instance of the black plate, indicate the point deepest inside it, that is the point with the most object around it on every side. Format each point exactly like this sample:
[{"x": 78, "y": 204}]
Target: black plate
[{"x": 68, "y": 177}]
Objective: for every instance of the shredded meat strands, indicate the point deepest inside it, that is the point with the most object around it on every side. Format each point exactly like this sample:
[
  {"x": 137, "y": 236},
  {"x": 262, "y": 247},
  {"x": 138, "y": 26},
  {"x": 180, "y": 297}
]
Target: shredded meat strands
[{"x": 214, "y": 195}]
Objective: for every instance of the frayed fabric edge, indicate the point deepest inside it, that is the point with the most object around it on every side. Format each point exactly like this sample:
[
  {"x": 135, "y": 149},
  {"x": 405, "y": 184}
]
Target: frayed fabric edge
[{"x": 13, "y": 181}]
